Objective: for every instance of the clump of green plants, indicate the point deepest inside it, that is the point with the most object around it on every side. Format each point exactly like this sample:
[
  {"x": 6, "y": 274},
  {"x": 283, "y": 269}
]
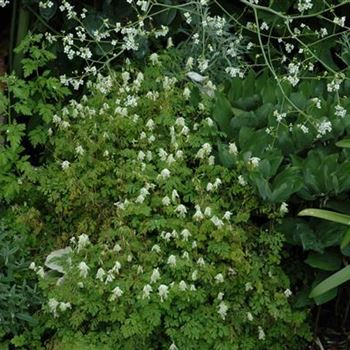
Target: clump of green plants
[
  {"x": 157, "y": 245},
  {"x": 20, "y": 295}
]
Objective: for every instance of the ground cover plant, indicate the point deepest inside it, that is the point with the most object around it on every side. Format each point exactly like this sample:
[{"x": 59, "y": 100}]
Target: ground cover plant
[{"x": 164, "y": 156}]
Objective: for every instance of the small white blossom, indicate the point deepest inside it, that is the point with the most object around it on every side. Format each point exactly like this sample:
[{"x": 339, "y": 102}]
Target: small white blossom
[
  {"x": 156, "y": 248},
  {"x": 166, "y": 201},
  {"x": 222, "y": 310},
  {"x": 250, "y": 316},
  {"x": 84, "y": 269},
  {"x": 201, "y": 261},
  {"x": 172, "y": 260},
  {"x": 83, "y": 241},
  {"x": 241, "y": 180},
  {"x": 182, "y": 285},
  {"x": 100, "y": 274},
  {"x": 181, "y": 210},
  {"x": 65, "y": 306},
  {"x": 165, "y": 174},
  {"x": 65, "y": 164},
  {"x": 163, "y": 291},
  {"x": 340, "y": 111},
  {"x": 219, "y": 278},
  {"x": 284, "y": 208},
  {"x": 261, "y": 333},
  {"x": 155, "y": 275},
  {"x": 217, "y": 222},
  {"x": 116, "y": 293},
  {"x": 232, "y": 148},
  {"x": 146, "y": 291},
  {"x": 187, "y": 93},
  {"x": 287, "y": 293}
]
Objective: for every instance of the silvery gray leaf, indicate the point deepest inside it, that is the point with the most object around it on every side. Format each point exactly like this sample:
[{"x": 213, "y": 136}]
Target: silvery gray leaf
[
  {"x": 54, "y": 259},
  {"x": 196, "y": 77}
]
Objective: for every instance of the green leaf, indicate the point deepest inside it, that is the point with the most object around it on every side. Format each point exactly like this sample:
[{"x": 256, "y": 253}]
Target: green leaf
[
  {"x": 326, "y": 215},
  {"x": 326, "y": 297},
  {"x": 222, "y": 112},
  {"x": 331, "y": 282},
  {"x": 343, "y": 143},
  {"x": 346, "y": 239},
  {"x": 328, "y": 261}
]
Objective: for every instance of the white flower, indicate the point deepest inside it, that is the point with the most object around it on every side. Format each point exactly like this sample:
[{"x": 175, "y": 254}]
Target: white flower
[
  {"x": 64, "y": 306},
  {"x": 264, "y": 26},
  {"x": 220, "y": 296},
  {"x": 187, "y": 93},
  {"x": 222, "y": 310},
  {"x": 194, "y": 275},
  {"x": 284, "y": 208},
  {"x": 53, "y": 304},
  {"x": 250, "y": 316},
  {"x": 254, "y": 161},
  {"x": 261, "y": 333},
  {"x": 248, "y": 286},
  {"x": 217, "y": 222},
  {"x": 181, "y": 211},
  {"x": 83, "y": 241},
  {"x": 166, "y": 201},
  {"x": 79, "y": 150},
  {"x": 339, "y": 21},
  {"x": 117, "y": 266},
  {"x": 155, "y": 275},
  {"x": 210, "y": 187},
  {"x": 219, "y": 278},
  {"x": 65, "y": 164},
  {"x": 163, "y": 291},
  {"x": 196, "y": 77},
  {"x": 165, "y": 174},
  {"x": 100, "y": 274},
  {"x": 110, "y": 277},
  {"x": 150, "y": 124},
  {"x": 40, "y": 272},
  {"x": 117, "y": 248},
  {"x": 182, "y": 286},
  {"x": 32, "y": 266},
  {"x": 207, "y": 211},
  {"x": 172, "y": 260},
  {"x": 84, "y": 269},
  {"x": 116, "y": 293},
  {"x": 156, "y": 248},
  {"x": 173, "y": 347},
  {"x": 287, "y": 293},
  {"x": 241, "y": 180},
  {"x": 340, "y": 111},
  {"x": 174, "y": 195},
  {"x": 227, "y": 215},
  {"x": 154, "y": 58},
  {"x": 198, "y": 215},
  {"x": 201, "y": 261},
  {"x": 146, "y": 291},
  {"x": 232, "y": 148},
  {"x": 323, "y": 128},
  {"x": 185, "y": 234}
]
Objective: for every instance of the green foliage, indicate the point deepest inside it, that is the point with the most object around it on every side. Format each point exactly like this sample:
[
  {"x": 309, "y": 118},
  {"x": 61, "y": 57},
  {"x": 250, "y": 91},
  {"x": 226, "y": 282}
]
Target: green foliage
[
  {"x": 20, "y": 297},
  {"x": 134, "y": 189}
]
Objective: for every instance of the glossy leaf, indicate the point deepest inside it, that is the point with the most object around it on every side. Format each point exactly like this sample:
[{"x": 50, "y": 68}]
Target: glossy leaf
[
  {"x": 326, "y": 215},
  {"x": 331, "y": 282}
]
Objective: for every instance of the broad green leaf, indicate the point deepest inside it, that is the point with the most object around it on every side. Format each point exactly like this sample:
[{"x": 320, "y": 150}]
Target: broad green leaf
[
  {"x": 346, "y": 239},
  {"x": 326, "y": 297},
  {"x": 343, "y": 143},
  {"x": 222, "y": 112},
  {"x": 328, "y": 261},
  {"x": 331, "y": 282},
  {"x": 326, "y": 215}
]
